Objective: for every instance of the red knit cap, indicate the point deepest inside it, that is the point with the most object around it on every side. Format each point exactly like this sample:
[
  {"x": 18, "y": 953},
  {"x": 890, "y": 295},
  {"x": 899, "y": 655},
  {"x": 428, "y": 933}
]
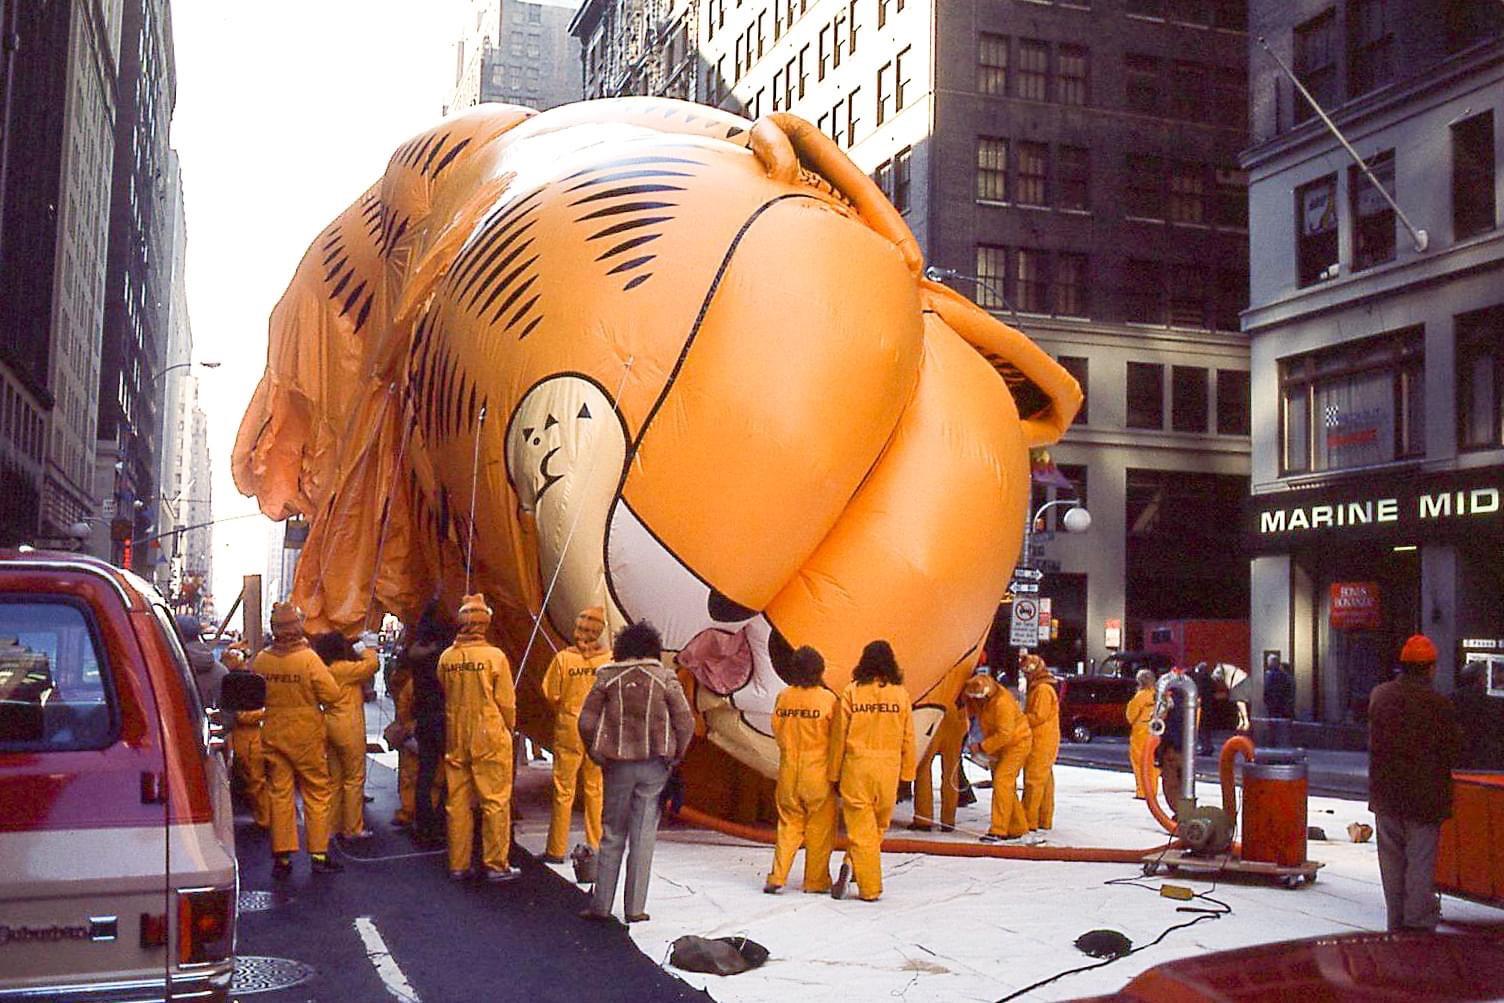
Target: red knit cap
[{"x": 1418, "y": 650}]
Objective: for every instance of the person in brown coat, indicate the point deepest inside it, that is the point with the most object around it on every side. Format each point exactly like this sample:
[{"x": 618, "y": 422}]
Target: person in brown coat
[
  {"x": 1412, "y": 747},
  {"x": 636, "y": 724}
]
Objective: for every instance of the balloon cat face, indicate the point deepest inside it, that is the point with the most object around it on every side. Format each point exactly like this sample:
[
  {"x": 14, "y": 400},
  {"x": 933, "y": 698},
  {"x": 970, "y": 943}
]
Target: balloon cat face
[{"x": 689, "y": 371}]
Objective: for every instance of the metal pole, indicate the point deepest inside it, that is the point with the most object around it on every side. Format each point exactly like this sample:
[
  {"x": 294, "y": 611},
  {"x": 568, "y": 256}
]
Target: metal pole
[{"x": 1420, "y": 237}]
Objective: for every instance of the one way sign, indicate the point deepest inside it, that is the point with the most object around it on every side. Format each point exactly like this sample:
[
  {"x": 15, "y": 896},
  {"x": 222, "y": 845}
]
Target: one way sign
[{"x": 1027, "y": 574}]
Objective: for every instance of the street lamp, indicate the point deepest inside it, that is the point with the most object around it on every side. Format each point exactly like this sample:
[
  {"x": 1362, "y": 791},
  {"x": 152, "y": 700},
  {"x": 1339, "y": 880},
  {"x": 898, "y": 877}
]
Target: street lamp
[
  {"x": 180, "y": 365},
  {"x": 937, "y": 274},
  {"x": 1076, "y": 519}
]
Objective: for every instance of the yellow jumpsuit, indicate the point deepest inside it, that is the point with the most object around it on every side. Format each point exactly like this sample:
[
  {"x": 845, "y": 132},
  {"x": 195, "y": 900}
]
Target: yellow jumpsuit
[
  {"x": 1140, "y": 710},
  {"x": 292, "y": 740},
  {"x": 802, "y": 717},
  {"x": 1006, "y": 739},
  {"x": 250, "y": 763},
  {"x": 872, "y": 749},
  {"x": 569, "y": 679},
  {"x": 947, "y": 743},
  {"x": 480, "y": 710},
  {"x": 1042, "y": 708},
  {"x": 407, "y": 762},
  {"x": 345, "y": 725}
]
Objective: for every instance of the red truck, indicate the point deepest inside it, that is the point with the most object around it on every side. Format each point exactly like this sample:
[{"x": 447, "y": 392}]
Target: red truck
[{"x": 1187, "y": 642}]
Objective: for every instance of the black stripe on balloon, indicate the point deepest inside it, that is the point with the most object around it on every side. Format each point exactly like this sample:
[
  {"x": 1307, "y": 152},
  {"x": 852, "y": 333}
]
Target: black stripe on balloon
[
  {"x": 628, "y": 176},
  {"x": 418, "y": 153},
  {"x": 627, "y": 266},
  {"x": 337, "y": 268},
  {"x": 529, "y": 329},
  {"x": 522, "y": 311},
  {"x": 631, "y": 224},
  {"x": 631, "y": 162},
  {"x": 639, "y": 280},
  {"x": 627, "y": 245},
  {"x": 617, "y": 210},
  {"x": 354, "y": 295},
  {"x": 515, "y": 295},
  {"x": 626, "y": 190},
  {"x": 506, "y": 281},
  {"x": 453, "y": 152},
  {"x": 471, "y": 409},
  {"x": 365, "y": 311},
  {"x": 335, "y": 247},
  {"x": 334, "y": 293},
  {"x": 492, "y": 271},
  {"x": 437, "y": 148},
  {"x": 492, "y": 230}
]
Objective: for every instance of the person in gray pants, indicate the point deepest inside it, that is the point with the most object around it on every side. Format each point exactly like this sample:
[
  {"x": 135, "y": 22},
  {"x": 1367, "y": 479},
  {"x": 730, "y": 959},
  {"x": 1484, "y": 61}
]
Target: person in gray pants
[{"x": 637, "y": 724}]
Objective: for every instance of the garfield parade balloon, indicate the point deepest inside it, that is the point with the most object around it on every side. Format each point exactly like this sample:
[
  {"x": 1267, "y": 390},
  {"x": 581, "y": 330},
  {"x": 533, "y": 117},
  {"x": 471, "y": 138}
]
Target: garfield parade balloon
[{"x": 650, "y": 356}]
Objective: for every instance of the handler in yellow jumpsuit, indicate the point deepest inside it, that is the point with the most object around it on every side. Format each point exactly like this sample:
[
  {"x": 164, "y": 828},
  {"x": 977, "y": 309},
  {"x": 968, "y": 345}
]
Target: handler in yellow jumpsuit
[
  {"x": 480, "y": 711},
  {"x": 292, "y": 739},
  {"x": 1005, "y": 744},
  {"x": 802, "y": 717},
  {"x": 871, "y": 750},
  {"x": 947, "y": 743},
  {"x": 1042, "y": 708},
  {"x": 569, "y": 678},
  {"x": 245, "y": 741},
  {"x": 345, "y": 726},
  {"x": 1140, "y": 711}
]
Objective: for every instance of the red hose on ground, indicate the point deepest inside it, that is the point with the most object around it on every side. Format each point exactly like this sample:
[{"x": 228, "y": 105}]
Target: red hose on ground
[{"x": 934, "y": 847}]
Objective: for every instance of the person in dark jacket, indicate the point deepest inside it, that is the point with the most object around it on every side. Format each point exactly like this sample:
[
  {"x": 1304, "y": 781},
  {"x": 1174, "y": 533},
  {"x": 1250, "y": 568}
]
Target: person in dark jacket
[
  {"x": 1480, "y": 719},
  {"x": 1279, "y": 689},
  {"x": 1412, "y": 748},
  {"x": 425, "y": 642},
  {"x": 207, "y": 672}
]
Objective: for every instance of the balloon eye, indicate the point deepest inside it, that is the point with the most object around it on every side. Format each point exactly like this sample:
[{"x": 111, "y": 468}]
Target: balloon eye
[
  {"x": 550, "y": 423},
  {"x": 584, "y": 411},
  {"x": 527, "y": 433}
]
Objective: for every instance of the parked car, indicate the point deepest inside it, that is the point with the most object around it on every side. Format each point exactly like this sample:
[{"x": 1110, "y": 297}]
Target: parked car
[
  {"x": 118, "y": 878},
  {"x": 1125, "y": 664},
  {"x": 1094, "y": 705}
]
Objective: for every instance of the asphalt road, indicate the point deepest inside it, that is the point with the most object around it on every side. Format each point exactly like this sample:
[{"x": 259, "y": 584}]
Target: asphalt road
[
  {"x": 399, "y": 929},
  {"x": 1331, "y": 773}
]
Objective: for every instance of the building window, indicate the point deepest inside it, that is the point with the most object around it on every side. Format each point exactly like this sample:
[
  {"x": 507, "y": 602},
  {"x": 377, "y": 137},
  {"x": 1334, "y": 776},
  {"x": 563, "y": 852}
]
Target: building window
[
  {"x": 1143, "y": 292},
  {"x": 1074, "y": 189},
  {"x": 1373, "y": 218},
  {"x": 1480, "y": 379},
  {"x": 777, "y": 90},
  {"x": 838, "y": 38},
  {"x": 901, "y": 92},
  {"x": 1146, "y": 8},
  {"x": 992, "y": 276},
  {"x": 882, "y": 13},
  {"x": 1033, "y": 281},
  {"x": 1195, "y": 12},
  {"x": 1187, "y": 192},
  {"x": 1232, "y": 402},
  {"x": 992, "y": 64},
  {"x": 853, "y": 114},
  {"x": 856, "y": 26},
  {"x": 883, "y": 178},
  {"x": 992, "y": 169},
  {"x": 824, "y": 52},
  {"x": 1316, "y": 240},
  {"x": 1316, "y": 62},
  {"x": 1473, "y": 176},
  {"x": 1033, "y": 174},
  {"x": 1370, "y": 46},
  {"x": 1354, "y": 405},
  {"x": 1232, "y": 298},
  {"x": 1188, "y": 91},
  {"x": 1187, "y": 296},
  {"x": 1142, "y": 73},
  {"x": 884, "y": 93},
  {"x": 1230, "y": 98},
  {"x": 803, "y": 70},
  {"x": 1071, "y": 80},
  {"x": 762, "y": 21},
  {"x": 1145, "y": 189},
  {"x": 1232, "y": 198},
  {"x": 1077, "y": 366},
  {"x": 1033, "y": 82},
  {"x": 1146, "y": 395},
  {"x": 901, "y": 179},
  {"x": 1189, "y": 403},
  {"x": 1070, "y": 285}
]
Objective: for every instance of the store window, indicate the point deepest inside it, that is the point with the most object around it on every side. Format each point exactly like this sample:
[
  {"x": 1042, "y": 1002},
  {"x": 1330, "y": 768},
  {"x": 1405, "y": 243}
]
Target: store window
[
  {"x": 1316, "y": 236},
  {"x": 1189, "y": 401},
  {"x": 1354, "y": 405},
  {"x": 1078, "y": 367},
  {"x": 1373, "y": 217},
  {"x": 1146, "y": 395},
  {"x": 1473, "y": 176},
  {"x": 1480, "y": 379}
]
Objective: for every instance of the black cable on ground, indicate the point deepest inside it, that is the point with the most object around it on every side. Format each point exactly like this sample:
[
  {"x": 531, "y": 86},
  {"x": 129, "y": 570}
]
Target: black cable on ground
[{"x": 1202, "y": 915}]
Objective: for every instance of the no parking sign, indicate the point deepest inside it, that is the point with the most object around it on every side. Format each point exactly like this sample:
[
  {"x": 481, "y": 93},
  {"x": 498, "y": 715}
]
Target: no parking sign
[{"x": 1023, "y": 629}]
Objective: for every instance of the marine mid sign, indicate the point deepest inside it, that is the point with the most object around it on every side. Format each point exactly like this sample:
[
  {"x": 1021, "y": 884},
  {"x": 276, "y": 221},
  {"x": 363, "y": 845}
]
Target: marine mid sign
[{"x": 1387, "y": 507}]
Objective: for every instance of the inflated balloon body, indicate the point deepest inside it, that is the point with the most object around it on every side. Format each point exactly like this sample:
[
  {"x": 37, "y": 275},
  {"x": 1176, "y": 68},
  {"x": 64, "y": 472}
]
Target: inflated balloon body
[{"x": 678, "y": 365}]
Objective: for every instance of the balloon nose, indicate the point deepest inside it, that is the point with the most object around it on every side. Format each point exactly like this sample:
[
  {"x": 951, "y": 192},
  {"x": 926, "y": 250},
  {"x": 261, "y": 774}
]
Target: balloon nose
[{"x": 723, "y": 610}]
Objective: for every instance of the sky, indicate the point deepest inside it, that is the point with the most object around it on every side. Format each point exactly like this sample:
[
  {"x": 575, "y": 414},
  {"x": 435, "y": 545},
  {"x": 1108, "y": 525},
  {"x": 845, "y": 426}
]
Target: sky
[{"x": 286, "y": 111}]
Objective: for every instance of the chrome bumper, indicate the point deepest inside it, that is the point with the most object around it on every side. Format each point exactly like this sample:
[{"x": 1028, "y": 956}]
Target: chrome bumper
[{"x": 201, "y": 987}]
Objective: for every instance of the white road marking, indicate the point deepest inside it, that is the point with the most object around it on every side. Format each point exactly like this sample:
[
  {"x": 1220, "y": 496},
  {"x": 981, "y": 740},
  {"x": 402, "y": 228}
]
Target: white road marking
[{"x": 386, "y": 966}]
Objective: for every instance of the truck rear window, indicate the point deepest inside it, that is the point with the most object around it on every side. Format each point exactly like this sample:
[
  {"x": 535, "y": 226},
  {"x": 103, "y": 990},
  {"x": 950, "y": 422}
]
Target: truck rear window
[{"x": 55, "y": 690}]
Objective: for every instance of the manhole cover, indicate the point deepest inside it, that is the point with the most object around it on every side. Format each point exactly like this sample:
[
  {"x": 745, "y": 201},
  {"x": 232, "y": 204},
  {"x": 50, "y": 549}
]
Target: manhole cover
[
  {"x": 254, "y": 974},
  {"x": 260, "y": 901}
]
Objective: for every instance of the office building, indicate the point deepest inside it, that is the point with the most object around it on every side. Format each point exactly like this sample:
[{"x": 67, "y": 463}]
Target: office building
[
  {"x": 1377, "y": 335},
  {"x": 516, "y": 53}
]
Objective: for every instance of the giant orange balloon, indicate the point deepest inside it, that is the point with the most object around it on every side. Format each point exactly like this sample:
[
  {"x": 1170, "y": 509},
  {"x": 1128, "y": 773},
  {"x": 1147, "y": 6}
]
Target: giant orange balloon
[{"x": 650, "y": 356}]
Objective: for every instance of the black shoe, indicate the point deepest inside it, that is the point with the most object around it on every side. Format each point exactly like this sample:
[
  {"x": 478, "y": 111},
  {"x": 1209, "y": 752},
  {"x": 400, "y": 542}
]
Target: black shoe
[
  {"x": 325, "y": 864},
  {"x": 282, "y": 867},
  {"x": 596, "y": 917},
  {"x": 367, "y": 798},
  {"x": 771, "y": 889},
  {"x": 640, "y": 917},
  {"x": 549, "y": 858},
  {"x": 920, "y": 827},
  {"x": 838, "y": 886}
]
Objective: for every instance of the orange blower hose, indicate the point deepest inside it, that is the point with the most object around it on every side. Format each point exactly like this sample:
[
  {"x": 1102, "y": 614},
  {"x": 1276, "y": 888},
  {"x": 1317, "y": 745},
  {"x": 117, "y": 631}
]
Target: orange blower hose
[
  {"x": 1151, "y": 795},
  {"x": 1230, "y": 750}
]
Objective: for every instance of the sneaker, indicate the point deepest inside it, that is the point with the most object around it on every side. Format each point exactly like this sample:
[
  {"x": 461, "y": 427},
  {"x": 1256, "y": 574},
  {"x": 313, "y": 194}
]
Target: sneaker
[
  {"x": 325, "y": 864},
  {"x": 1033, "y": 839},
  {"x": 640, "y": 917},
  {"x": 497, "y": 876},
  {"x": 838, "y": 886},
  {"x": 550, "y": 858},
  {"x": 282, "y": 866},
  {"x": 356, "y": 837},
  {"x": 990, "y": 837},
  {"x": 771, "y": 889},
  {"x": 464, "y": 875}
]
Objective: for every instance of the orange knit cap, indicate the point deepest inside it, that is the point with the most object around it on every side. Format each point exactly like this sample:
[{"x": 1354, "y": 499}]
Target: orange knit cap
[
  {"x": 1418, "y": 650},
  {"x": 475, "y": 617},
  {"x": 286, "y": 619}
]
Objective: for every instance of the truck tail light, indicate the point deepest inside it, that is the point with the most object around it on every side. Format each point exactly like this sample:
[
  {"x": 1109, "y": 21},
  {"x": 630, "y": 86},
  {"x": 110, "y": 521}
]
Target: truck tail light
[{"x": 206, "y": 925}]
